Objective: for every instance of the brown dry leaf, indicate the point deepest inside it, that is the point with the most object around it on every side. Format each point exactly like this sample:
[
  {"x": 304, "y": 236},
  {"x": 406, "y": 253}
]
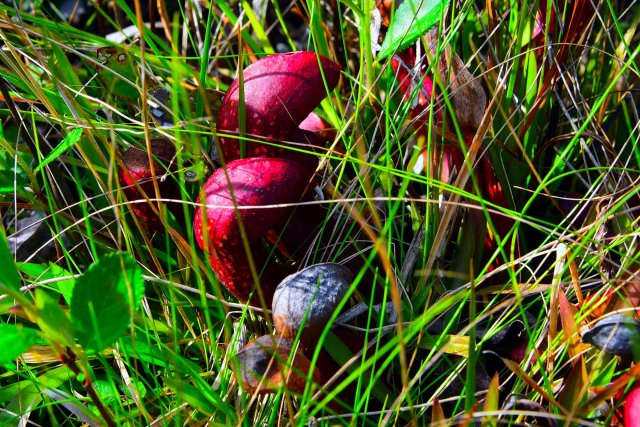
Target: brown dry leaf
[
  {"x": 629, "y": 297},
  {"x": 575, "y": 278},
  {"x": 467, "y": 96},
  {"x": 19, "y": 311},
  {"x": 569, "y": 327},
  {"x": 520, "y": 373},
  {"x": 38, "y": 354},
  {"x": 437, "y": 413}
]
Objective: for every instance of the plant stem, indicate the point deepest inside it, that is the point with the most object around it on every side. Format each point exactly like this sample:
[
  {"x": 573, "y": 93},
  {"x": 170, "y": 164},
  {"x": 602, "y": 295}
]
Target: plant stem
[{"x": 69, "y": 358}]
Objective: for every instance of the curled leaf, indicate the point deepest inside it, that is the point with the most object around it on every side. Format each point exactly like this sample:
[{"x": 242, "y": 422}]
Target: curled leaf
[{"x": 467, "y": 95}]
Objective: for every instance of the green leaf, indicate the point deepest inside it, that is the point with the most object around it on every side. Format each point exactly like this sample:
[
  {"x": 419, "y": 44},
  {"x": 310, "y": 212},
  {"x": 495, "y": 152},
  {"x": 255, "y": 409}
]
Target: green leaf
[
  {"x": 15, "y": 340},
  {"x": 119, "y": 72},
  {"x": 191, "y": 395},
  {"x": 104, "y": 299},
  {"x": 9, "y": 277},
  {"x": 412, "y": 19},
  {"x": 604, "y": 373},
  {"x": 207, "y": 393},
  {"x": 10, "y": 181},
  {"x": 107, "y": 392},
  {"x": 138, "y": 386},
  {"x": 40, "y": 272},
  {"x": 69, "y": 141},
  {"x": 53, "y": 320}
]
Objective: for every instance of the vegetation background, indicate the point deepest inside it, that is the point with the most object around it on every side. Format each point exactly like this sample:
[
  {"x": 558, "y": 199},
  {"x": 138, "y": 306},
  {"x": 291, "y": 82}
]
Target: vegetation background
[{"x": 464, "y": 308}]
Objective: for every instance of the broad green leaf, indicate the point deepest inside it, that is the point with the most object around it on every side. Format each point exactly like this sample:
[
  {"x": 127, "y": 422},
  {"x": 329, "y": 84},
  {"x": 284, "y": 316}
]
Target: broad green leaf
[
  {"x": 412, "y": 19},
  {"x": 69, "y": 141},
  {"x": 107, "y": 392},
  {"x": 104, "y": 299},
  {"x": 9, "y": 277},
  {"x": 604, "y": 373},
  {"x": 119, "y": 72},
  {"x": 53, "y": 320},
  {"x": 15, "y": 340},
  {"x": 138, "y": 386},
  {"x": 41, "y": 272}
]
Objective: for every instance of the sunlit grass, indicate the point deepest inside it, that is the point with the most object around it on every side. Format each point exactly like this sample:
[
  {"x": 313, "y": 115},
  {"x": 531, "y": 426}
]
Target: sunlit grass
[{"x": 438, "y": 314}]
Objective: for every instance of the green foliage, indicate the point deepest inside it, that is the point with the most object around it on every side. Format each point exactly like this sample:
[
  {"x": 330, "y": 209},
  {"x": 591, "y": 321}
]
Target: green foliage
[
  {"x": 119, "y": 72},
  {"x": 9, "y": 277},
  {"x": 53, "y": 321},
  {"x": 27, "y": 393},
  {"x": 63, "y": 280},
  {"x": 458, "y": 298},
  {"x": 104, "y": 299},
  {"x": 15, "y": 340},
  {"x": 412, "y": 20},
  {"x": 13, "y": 178},
  {"x": 108, "y": 394},
  {"x": 69, "y": 141}
]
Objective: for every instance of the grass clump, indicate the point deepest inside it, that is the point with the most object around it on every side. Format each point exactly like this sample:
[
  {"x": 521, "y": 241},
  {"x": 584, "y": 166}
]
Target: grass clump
[{"x": 480, "y": 183}]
